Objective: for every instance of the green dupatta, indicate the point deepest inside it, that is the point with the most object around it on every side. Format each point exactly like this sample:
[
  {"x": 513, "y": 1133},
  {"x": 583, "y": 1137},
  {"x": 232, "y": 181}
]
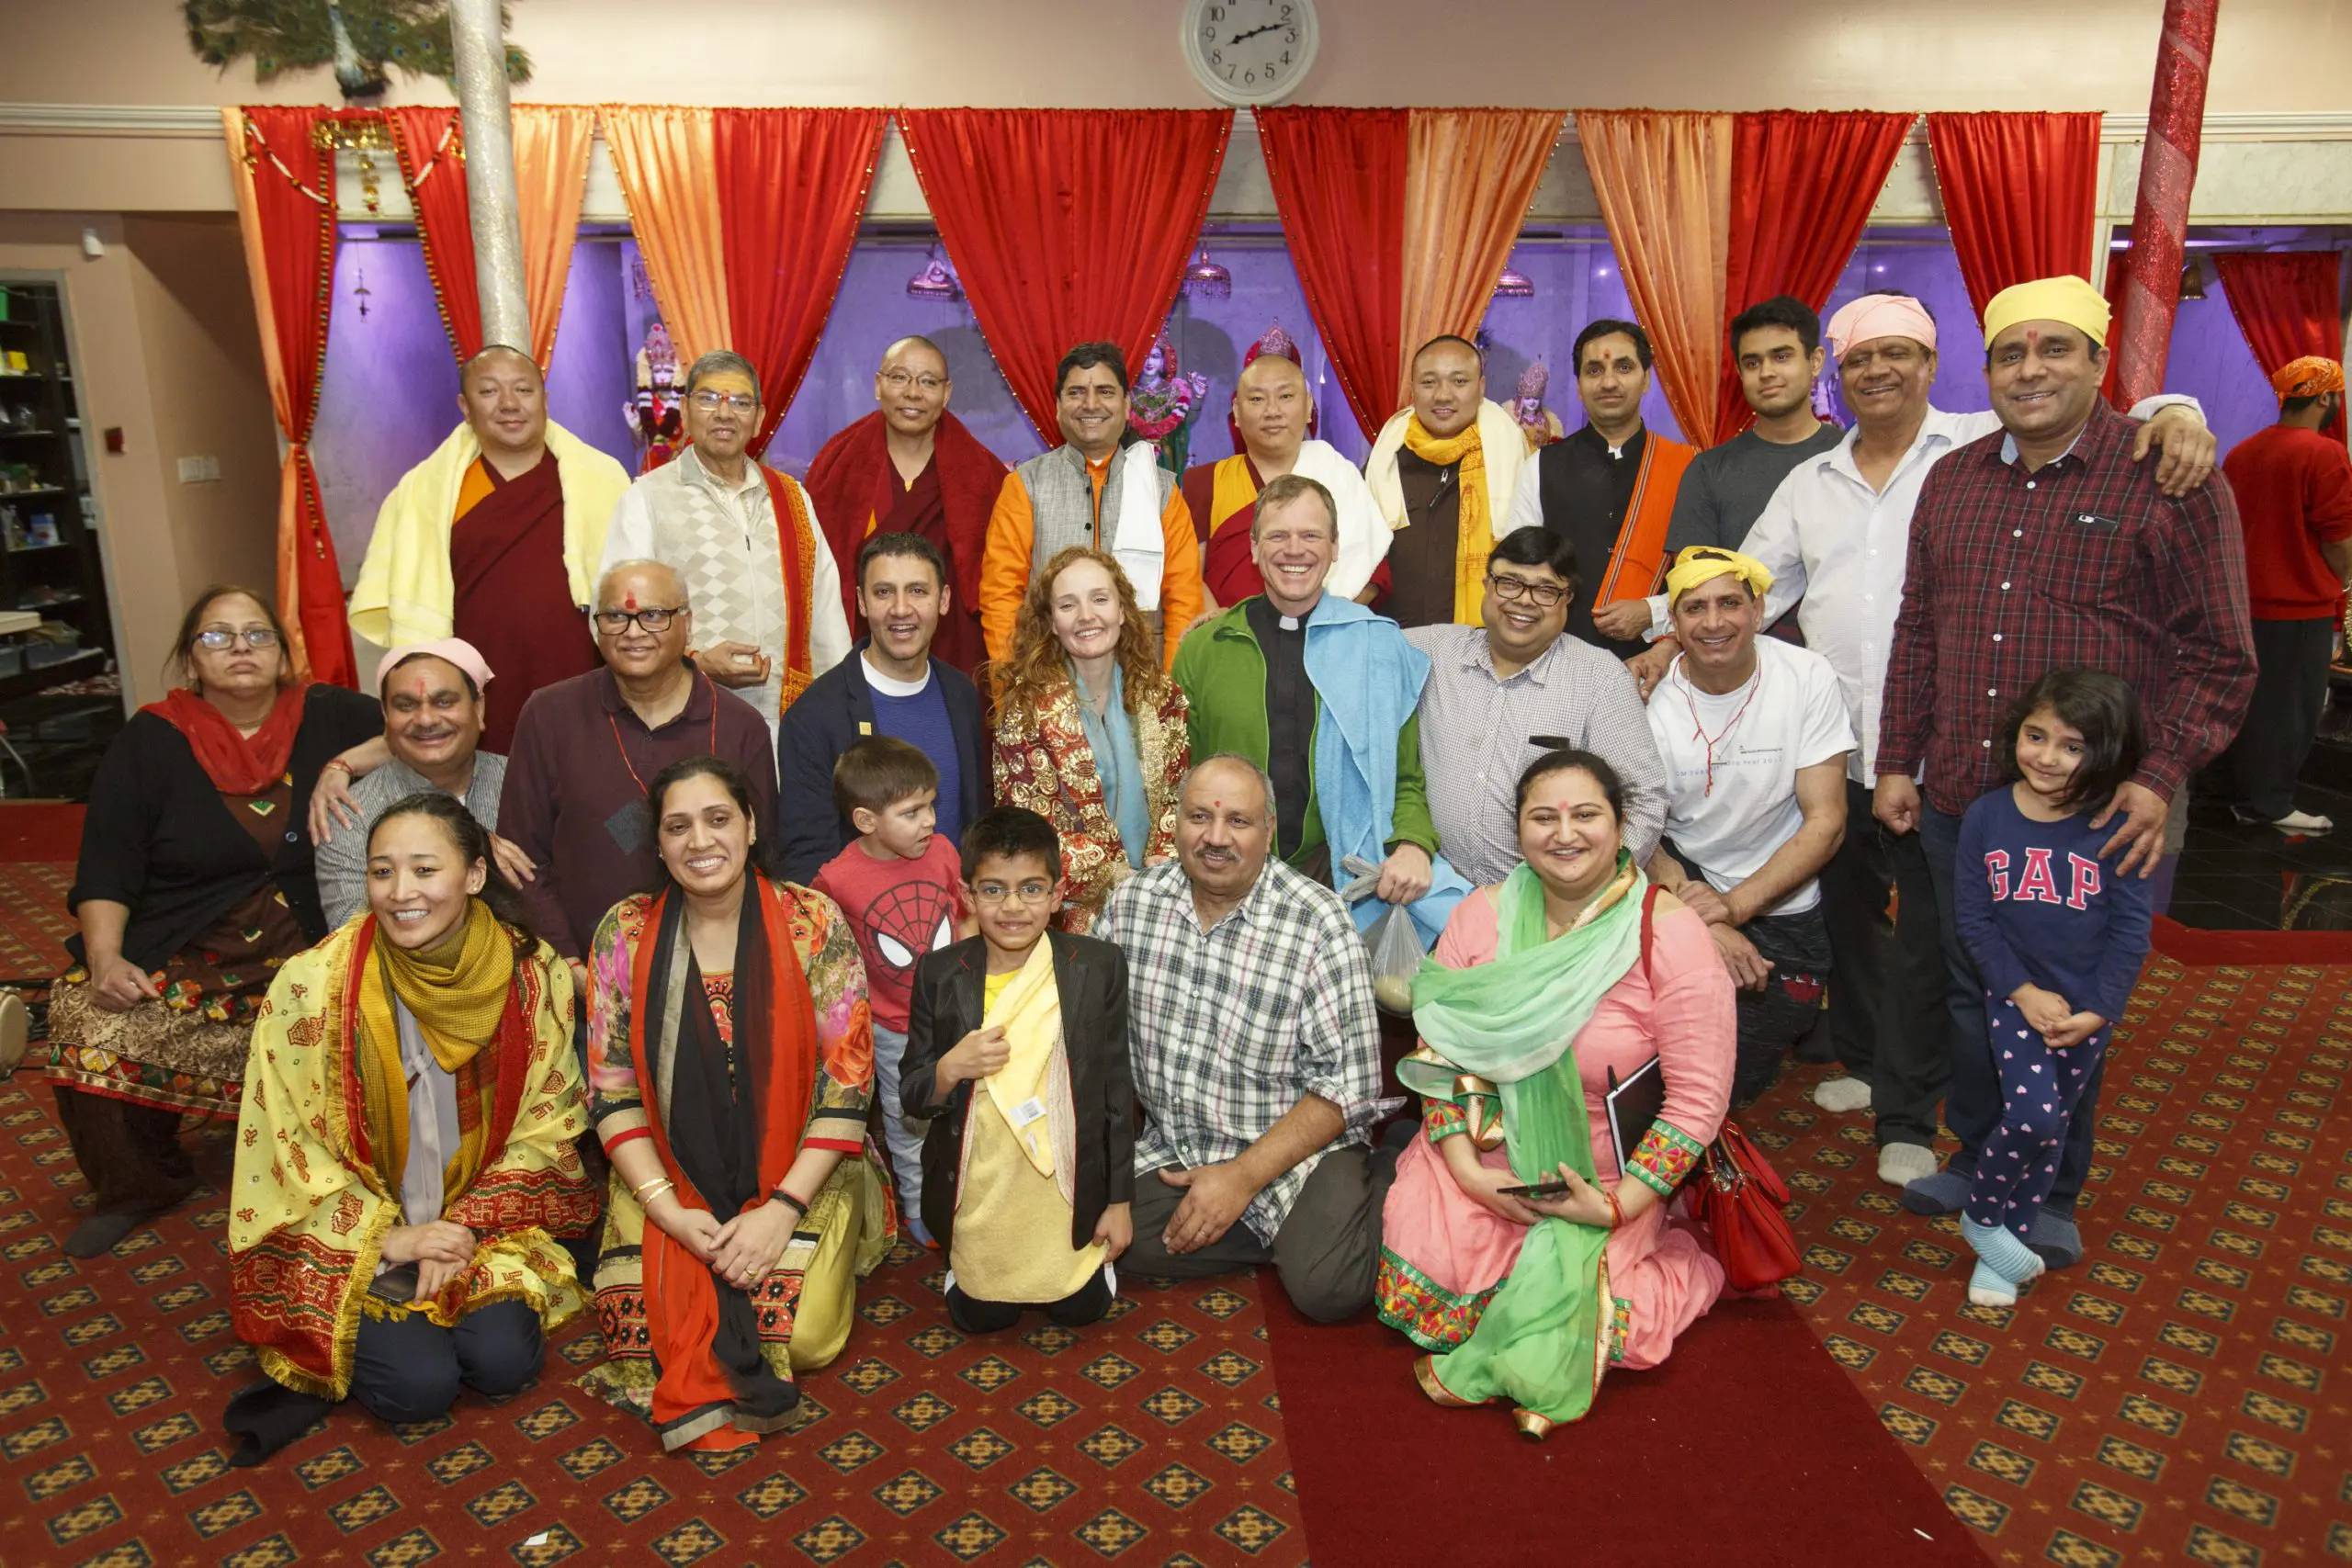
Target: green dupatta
[{"x": 1540, "y": 1342}]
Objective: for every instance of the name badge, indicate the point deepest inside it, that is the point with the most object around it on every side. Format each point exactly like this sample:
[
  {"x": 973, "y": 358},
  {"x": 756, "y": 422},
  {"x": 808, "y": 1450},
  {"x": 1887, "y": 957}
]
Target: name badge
[{"x": 1028, "y": 1110}]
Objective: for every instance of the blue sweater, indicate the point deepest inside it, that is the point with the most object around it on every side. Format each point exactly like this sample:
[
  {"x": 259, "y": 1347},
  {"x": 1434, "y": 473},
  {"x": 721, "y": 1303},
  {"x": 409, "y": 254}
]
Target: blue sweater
[
  {"x": 2034, "y": 903},
  {"x": 922, "y": 722}
]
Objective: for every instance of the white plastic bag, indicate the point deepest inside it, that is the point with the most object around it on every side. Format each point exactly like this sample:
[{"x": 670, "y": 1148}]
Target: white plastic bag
[{"x": 1392, "y": 944}]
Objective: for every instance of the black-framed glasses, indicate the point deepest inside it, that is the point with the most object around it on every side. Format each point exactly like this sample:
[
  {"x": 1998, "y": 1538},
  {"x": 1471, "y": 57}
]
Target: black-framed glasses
[
  {"x": 1543, "y": 595},
  {"x": 653, "y": 618},
  {"x": 220, "y": 638},
  {"x": 709, "y": 398}
]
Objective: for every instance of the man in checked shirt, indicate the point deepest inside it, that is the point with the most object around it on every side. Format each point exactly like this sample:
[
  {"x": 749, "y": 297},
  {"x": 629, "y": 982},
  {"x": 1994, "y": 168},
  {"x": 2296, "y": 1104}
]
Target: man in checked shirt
[{"x": 2048, "y": 545}]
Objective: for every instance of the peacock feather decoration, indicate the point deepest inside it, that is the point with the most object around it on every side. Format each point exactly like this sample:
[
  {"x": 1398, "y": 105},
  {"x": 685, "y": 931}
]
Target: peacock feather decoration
[{"x": 363, "y": 41}]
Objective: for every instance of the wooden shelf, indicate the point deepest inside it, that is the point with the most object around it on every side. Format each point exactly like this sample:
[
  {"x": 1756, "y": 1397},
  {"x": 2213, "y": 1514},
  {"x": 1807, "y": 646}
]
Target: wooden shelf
[
  {"x": 8, "y": 495},
  {"x": 25, "y": 682}
]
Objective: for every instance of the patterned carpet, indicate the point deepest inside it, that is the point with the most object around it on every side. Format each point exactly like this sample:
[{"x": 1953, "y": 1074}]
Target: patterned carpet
[
  {"x": 1154, "y": 1438},
  {"x": 33, "y": 921},
  {"x": 2179, "y": 1395}
]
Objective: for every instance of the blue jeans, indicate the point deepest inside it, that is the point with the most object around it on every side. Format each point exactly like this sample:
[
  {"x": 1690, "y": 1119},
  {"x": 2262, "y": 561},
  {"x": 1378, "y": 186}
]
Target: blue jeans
[{"x": 1973, "y": 1104}]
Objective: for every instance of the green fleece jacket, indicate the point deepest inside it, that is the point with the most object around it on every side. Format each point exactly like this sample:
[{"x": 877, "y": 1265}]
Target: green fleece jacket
[{"x": 1223, "y": 672}]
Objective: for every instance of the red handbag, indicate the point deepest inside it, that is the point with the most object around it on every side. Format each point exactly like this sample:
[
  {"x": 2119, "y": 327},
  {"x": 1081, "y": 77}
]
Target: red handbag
[
  {"x": 1738, "y": 1198},
  {"x": 1738, "y": 1195}
]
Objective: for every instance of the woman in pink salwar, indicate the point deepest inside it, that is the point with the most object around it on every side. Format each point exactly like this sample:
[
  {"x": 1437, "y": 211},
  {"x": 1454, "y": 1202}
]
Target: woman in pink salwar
[{"x": 1571, "y": 968}]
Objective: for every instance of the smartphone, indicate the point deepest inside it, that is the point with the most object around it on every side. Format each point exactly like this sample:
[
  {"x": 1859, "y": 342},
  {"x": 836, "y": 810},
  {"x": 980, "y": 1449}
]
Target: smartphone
[{"x": 1538, "y": 1189}]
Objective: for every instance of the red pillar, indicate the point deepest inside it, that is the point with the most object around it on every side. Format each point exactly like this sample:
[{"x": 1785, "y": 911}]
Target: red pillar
[{"x": 2160, "y": 217}]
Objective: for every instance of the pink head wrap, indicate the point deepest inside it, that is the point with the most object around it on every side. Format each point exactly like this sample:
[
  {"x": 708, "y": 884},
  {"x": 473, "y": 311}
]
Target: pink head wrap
[
  {"x": 453, "y": 649},
  {"x": 1876, "y": 316}
]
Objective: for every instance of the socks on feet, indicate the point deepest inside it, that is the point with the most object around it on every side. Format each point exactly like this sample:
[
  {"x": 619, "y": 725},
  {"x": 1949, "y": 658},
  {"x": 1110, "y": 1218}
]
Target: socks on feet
[
  {"x": 1941, "y": 1193},
  {"x": 2005, "y": 1257}
]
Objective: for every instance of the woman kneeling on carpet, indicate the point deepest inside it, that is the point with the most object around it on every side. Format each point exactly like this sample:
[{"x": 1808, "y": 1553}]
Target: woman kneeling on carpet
[
  {"x": 733, "y": 1060},
  {"x": 404, "y": 1159},
  {"x": 1572, "y": 973},
  {"x": 194, "y": 884}
]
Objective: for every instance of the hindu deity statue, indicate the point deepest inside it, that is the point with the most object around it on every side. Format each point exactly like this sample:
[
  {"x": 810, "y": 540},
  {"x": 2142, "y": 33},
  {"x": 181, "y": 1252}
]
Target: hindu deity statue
[
  {"x": 1163, "y": 401},
  {"x": 1538, "y": 423},
  {"x": 653, "y": 415}
]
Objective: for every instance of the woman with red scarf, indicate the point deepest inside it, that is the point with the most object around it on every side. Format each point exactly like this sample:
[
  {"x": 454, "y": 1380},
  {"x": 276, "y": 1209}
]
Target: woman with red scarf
[
  {"x": 194, "y": 884},
  {"x": 731, "y": 1057}
]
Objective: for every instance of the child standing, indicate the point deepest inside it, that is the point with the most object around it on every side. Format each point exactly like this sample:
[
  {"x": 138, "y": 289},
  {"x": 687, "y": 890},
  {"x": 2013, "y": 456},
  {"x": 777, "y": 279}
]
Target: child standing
[
  {"x": 2058, "y": 938},
  {"x": 900, "y": 885},
  {"x": 1018, "y": 1053}
]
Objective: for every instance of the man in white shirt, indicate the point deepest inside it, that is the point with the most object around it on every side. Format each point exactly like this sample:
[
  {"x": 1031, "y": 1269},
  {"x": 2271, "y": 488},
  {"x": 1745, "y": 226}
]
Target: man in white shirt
[
  {"x": 1755, "y": 741},
  {"x": 765, "y": 589},
  {"x": 1834, "y": 536}
]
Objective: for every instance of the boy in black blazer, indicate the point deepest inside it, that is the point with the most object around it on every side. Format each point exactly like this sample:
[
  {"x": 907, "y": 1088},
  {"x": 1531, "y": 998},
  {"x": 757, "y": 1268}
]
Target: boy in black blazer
[{"x": 1017, "y": 1054}]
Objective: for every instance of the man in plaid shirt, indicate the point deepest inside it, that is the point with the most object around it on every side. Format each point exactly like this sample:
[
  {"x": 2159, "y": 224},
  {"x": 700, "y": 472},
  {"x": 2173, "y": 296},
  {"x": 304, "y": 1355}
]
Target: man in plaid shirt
[
  {"x": 1256, "y": 1057},
  {"x": 2049, "y": 546}
]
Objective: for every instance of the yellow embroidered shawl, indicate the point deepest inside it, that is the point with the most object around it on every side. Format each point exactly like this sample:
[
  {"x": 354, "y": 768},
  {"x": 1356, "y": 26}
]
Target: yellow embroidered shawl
[{"x": 308, "y": 1209}]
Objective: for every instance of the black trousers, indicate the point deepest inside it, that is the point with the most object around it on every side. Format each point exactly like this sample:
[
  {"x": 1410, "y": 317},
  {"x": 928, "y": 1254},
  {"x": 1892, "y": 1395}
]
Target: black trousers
[
  {"x": 130, "y": 1154},
  {"x": 1772, "y": 1019},
  {"x": 2289, "y": 689},
  {"x": 1886, "y": 999},
  {"x": 409, "y": 1368},
  {"x": 1325, "y": 1255},
  {"x": 1086, "y": 1304}
]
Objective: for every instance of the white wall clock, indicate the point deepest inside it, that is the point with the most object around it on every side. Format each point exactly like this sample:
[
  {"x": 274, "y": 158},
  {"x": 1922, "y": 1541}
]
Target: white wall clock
[{"x": 1249, "y": 52}]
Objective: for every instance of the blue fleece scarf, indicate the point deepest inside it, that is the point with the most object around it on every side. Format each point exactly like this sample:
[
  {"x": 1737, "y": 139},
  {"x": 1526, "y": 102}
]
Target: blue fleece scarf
[{"x": 1368, "y": 679}]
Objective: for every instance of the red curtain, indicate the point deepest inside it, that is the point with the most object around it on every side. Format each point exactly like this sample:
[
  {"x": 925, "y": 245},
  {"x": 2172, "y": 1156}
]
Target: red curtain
[
  {"x": 1801, "y": 187},
  {"x": 2288, "y": 304},
  {"x": 1066, "y": 225},
  {"x": 294, "y": 206},
  {"x": 433, "y": 167},
  {"x": 1339, "y": 177},
  {"x": 791, "y": 188},
  {"x": 2020, "y": 193}
]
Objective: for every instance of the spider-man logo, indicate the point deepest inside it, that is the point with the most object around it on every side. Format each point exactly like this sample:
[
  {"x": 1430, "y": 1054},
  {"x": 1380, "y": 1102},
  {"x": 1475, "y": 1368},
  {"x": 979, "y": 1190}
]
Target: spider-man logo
[{"x": 909, "y": 920}]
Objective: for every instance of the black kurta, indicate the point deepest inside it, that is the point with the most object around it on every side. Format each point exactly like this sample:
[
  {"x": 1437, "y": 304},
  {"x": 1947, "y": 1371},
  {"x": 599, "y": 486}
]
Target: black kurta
[{"x": 158, "y": 838}]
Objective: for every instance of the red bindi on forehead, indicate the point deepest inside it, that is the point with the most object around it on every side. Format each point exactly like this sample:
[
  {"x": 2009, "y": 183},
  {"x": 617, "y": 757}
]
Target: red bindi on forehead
[{"x": 628, "y": 602}]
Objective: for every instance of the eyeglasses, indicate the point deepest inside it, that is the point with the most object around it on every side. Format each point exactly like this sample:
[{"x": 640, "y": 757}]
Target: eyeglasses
[
  {"x": 1543, "y": 595},
  {"x": 219, "y": 638},
  {"x": 899, "y": 381},
  {"x": 653, "y": 618},
  {"x": 996, "y": 893},
  {"x": 710, "y": 400}
]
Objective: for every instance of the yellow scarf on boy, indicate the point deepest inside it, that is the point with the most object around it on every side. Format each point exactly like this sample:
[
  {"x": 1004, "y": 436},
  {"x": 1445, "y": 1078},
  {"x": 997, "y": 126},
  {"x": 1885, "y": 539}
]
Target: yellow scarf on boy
[
  {"x": 1477, "y": 529},
  {"x": 1029, "y": 1010}
]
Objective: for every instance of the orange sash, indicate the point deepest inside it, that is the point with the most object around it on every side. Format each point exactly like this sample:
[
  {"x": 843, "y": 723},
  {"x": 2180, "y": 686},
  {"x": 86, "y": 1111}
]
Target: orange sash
[
  {"x": 681, "y": 1297},
  {"x": 796, "y": 540},
  {"x": 1640, "y": 556}
]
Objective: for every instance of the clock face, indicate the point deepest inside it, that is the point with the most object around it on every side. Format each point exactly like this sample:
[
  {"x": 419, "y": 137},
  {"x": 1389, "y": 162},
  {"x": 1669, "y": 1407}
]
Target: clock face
[{"x": 1249, "y": 52}]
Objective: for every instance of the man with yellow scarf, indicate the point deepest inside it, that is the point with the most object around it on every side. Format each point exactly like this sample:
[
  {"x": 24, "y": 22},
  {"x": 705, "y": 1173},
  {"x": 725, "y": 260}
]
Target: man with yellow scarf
[{"x": 1442, "y": 473}]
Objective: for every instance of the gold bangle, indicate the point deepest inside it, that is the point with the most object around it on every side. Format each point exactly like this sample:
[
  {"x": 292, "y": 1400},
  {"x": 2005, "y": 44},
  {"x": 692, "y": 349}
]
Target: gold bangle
[{"x": 655, "y": 1185}]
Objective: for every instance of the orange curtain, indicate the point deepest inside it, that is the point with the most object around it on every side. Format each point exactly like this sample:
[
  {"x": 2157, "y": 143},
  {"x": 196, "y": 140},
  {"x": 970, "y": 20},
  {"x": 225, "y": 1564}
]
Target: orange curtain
[
  {"x": 551, "y": 180},
  {"x": 667, "y": 159},
  {"x": 1469, "y": 177},
  {"x": 1664, "y": 181}
]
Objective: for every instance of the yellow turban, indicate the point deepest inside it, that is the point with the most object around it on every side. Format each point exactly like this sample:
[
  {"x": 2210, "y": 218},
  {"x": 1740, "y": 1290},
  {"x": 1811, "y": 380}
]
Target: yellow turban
[
  {"x": 1704, "y": 563},
  {"x": 2310, "y": 377},
  {"x": 2067, "y": 299}
]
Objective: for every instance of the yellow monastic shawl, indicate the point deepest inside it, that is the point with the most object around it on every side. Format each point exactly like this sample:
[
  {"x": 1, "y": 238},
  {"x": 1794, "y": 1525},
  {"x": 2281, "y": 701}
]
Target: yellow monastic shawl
[
  {"x": 1504, "y": 448},
  {"x": 307, "y": 1210},
  {"x": 405, "y": 593}
]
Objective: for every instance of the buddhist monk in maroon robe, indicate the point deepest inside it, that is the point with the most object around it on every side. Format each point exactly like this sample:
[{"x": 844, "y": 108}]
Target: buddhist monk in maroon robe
[
  {"x": 911, "y": 467},
  {"x": 495, "y": 538}
]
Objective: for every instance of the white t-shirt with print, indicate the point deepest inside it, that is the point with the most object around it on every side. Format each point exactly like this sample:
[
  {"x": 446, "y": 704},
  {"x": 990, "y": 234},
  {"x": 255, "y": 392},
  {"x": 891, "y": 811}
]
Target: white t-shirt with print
[{"x": 1790, "y": 715}]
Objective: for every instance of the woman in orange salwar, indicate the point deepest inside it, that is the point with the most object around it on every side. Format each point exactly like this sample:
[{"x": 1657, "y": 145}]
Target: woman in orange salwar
[{"x": 732, "y": 1060}]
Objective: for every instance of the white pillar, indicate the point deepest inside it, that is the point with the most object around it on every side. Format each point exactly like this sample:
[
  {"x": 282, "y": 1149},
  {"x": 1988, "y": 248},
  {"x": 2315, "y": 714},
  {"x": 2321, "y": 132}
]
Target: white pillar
[{"x": 487, "y": 117}]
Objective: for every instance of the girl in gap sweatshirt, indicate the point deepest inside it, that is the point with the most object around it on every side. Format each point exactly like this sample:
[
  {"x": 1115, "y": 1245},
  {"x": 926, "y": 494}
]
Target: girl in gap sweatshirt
[{"x": 2058, "y": 936}]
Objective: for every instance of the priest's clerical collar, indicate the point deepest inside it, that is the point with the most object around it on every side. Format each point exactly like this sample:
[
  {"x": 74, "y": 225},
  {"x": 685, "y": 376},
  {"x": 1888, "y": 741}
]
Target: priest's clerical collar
[{"x": 1287, "y": 623}]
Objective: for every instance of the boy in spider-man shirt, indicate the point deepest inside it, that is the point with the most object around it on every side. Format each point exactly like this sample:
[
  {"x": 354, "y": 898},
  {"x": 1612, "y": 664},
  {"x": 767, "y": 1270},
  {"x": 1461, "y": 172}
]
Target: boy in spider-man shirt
[{"x": 902, "y": 887}]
